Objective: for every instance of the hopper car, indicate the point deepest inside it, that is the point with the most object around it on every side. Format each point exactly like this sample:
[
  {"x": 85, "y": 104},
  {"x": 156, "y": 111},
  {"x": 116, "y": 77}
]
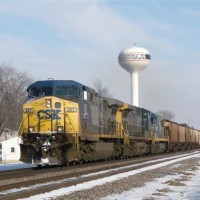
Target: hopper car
[
  {"x": 181, "y": 137},
  {"x": 67, "y": 122}
]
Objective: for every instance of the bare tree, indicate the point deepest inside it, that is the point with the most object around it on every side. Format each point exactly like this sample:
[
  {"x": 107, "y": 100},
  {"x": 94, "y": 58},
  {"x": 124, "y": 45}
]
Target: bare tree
[
  {"x": 103, "y": 91},
  {"x": 13, "y": 84},
  {"x": 165, "y": 114}
]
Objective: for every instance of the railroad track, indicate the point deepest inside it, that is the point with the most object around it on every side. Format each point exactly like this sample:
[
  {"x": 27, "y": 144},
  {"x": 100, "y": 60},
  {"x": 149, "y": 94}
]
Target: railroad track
[
  {"x": 24, "y": 172},
  {"x": 46, "y": 179}
]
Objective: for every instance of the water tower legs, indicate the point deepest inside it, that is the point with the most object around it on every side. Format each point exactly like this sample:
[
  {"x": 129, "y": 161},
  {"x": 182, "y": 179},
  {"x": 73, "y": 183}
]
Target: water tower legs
[{"x": 134, "y": 89}]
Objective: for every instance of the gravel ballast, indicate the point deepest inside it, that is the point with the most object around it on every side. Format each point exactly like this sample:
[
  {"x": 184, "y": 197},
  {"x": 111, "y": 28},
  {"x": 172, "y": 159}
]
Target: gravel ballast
[{"x": 185, "y": 168}]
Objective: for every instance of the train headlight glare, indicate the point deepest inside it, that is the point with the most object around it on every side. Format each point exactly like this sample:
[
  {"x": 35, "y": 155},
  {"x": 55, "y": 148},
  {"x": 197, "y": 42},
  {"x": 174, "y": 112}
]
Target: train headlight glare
[
  {"x": 31, "y": 129},
  {"x": 60, "y": 129},
  {"x": 48, "y": 103},
  {"x": 53, "y": 137}
]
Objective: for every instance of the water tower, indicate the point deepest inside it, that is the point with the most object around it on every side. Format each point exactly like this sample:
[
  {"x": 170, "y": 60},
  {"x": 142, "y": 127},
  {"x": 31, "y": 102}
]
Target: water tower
[{"x": 134, "y": 60}]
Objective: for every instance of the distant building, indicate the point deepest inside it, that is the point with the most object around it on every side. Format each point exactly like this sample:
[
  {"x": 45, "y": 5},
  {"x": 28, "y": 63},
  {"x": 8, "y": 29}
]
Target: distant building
[{"x": 10, "y": 150}]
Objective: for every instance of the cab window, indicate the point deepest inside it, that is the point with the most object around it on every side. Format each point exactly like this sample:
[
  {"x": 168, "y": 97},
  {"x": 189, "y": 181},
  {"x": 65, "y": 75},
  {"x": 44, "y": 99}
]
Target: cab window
[
  {"x": 39, "y": 91},
  {"x": 68, "y": 92}
]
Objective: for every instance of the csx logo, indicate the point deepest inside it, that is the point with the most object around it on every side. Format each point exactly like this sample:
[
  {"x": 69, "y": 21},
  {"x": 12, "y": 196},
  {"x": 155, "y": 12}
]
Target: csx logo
[{"x": 48, "y": 114}]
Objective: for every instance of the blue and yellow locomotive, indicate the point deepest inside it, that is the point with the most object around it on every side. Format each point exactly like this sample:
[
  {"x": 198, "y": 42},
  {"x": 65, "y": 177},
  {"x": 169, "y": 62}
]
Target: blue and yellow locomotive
[{"x": 65, "y": 121}]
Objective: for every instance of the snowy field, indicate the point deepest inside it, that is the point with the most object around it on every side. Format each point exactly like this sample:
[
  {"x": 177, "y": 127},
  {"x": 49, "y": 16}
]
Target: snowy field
[{"x": 190, "y": 191}]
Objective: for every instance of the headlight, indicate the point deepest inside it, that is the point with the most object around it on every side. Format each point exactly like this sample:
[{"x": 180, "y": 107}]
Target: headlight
[
  {"x": 31, "y": 129},
  {"x": 53, "y": 137},
  {"x": 48, "y": 103},
  {"x": 60, "y": 129}
]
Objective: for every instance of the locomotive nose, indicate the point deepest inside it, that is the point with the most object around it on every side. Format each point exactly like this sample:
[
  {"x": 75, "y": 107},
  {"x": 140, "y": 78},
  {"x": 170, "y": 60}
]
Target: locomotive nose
[{"x": 45, "y": 115}]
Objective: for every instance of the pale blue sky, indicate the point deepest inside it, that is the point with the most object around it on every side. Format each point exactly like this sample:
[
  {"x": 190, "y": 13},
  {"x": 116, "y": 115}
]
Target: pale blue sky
[{"x": 81, "y": 40}]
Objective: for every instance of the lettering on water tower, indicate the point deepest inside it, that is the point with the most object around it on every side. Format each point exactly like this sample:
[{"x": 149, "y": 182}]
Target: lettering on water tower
[{"x": 138, "y": 56}]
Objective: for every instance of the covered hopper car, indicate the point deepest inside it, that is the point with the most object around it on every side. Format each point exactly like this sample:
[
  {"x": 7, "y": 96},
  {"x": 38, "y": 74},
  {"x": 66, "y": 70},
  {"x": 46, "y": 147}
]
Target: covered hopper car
[
  {"x": 66, "y": 122},
  {"x": 181, "y": 136}
]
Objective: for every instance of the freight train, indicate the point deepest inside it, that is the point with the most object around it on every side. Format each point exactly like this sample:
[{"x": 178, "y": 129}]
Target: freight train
[{"x": 67, "y": 122}]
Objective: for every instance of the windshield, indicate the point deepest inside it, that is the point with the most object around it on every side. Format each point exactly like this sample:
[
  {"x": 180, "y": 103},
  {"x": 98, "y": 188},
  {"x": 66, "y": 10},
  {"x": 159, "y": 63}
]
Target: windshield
[
  {"x": 68, "y": 92},
  {"x": 41, "y": 91}
]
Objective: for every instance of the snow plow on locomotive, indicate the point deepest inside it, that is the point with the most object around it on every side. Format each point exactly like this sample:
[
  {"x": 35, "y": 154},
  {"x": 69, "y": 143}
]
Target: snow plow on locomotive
[{"x": 66, "y": 122}]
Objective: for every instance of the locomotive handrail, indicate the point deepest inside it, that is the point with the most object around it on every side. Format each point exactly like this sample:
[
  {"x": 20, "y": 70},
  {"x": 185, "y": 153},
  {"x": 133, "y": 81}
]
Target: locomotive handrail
[
  {"x": 21, "y": 127},
  {"x": 71, "y": 123}
]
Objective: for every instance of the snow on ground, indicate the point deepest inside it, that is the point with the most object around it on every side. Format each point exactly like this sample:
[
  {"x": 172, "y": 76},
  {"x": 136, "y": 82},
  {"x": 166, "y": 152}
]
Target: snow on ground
[
  {"x": 193, "y": 187},
  {"x": 19, "y": 165},
  {"x": 155, "y": 189},
  {"x": 137, "y": 194}
]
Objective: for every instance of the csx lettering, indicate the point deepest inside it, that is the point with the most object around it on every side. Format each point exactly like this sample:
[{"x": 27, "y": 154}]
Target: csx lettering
[{"x": 48, "y": 114}]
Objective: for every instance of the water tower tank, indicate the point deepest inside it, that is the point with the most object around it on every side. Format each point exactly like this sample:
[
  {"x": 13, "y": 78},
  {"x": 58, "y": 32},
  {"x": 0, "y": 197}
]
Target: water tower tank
[{"x": 134, "y": 60}]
